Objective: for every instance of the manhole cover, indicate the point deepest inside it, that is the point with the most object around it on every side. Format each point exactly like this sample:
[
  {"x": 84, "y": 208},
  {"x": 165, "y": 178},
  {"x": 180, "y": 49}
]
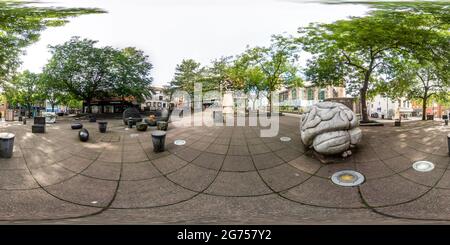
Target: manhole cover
[
  {"x": 179, "y": 142},
  {"x": 347, "y": 178},
  {"x": 423, "y": 166},
  {"x": 285, "y": 139}
]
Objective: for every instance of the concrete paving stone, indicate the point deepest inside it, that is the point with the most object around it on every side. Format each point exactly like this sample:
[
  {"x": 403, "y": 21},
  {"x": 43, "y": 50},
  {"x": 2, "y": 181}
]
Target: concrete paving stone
[
  {"x": 433, "y": 205},
  {"x": 266, "y": 160},
  {"x": 275, "y": 146},
  {"x": 111, "y": 156},
  {"x": 327, "y": 170},
  {"x": 16, "y": 179},
  {"x": 444, "y": 182},
  {"x": 188, "y": 154},
  {"x": 238, "y": 184},
  {"x": 238, "y": 150},
  {"x": 36, "y": 158},
  {"x": 149, "y": 193},
  {"x": 217, "y": 149},
  {"x": 13, "y": 163},
  {"x": 238, "y": 142},
  {"x": 139, "y": 171},
  {"x": 384, "y": 151},
  {"x": 222, "y": 141},
  {"x": 207, "y": 209},
  {"x": 238, "y": 163},
  {"x": 88, "y": 154},
  {"x": 169, "y": 163},
  {"x": 193, "y": 177},
  {"x": 17, "y": 206},
  {"x": 103, "y": 170},
  {"x": 134, "y": 156},
  {"x": 283, "y": 177},
  {"x": 209, "y": 160},
  {"x": 374, "y": 169},
  {"x": 322, "y": 192},
  {"x": 85, "y": 191},
  {"x": 258, "y": 149},
  {"x": 398, "y": 164},
  {"x": 438, "y": 161},
  {"x": 52, "y": 174},
  {"x": 391, "y": 190},
  {"x": 306, "y": 164},
  {"x": 425, "y": 178},
  {"x": 288, "y": 154},
  {"x": 254, "y": 141},
  {"x": 130, "y": 147},
  {"x": 201, "y": 146},
  {"x": 75, "y": 163}
]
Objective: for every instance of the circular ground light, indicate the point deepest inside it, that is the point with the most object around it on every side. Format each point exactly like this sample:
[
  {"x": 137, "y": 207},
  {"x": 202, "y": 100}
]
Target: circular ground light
[
  {"x": 179, "y": 142},
  {"x": 347, "y": 178},
  {"x": 285, "y": 139},
  {"x": 423, "y": 166}
]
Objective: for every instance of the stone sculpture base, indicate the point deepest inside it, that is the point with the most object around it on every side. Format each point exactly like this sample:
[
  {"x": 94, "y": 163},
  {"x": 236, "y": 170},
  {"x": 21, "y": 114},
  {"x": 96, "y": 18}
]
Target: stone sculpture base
[{"x": 327, "y": 159}]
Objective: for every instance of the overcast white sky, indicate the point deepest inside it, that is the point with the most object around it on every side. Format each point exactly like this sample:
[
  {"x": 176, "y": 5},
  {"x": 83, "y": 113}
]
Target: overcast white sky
[{"x": 171, "y": 30}]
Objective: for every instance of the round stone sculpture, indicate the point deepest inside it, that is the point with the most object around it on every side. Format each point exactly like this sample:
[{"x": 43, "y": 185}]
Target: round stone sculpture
[
  {"x": 83, "y": 134},
  {"x": 330, "y": 128}
]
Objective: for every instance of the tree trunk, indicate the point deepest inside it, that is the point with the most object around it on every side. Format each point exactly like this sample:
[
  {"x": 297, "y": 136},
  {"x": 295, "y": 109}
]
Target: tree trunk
[
  {"x": 363, "y": 95},
  {"x": 424, "y": 108},
  {"x": 88, "y": 104},
  {"x": 365, "y": 116},
  {"x": 270, "y": 102}
]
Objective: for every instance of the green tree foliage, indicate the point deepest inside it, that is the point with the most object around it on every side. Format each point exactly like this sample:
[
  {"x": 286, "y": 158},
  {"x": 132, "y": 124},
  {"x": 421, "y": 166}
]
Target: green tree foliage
[
  {"x": 278, "y": 64},
  {"x": 24, "y": 90},
  {"x": 187, "y": 73},
  {"x": 87, "y": 72},
  {"x": 133, "y": 74},
  {"x": 20, "y": 26},
  {"x": 354, "y": 51}
]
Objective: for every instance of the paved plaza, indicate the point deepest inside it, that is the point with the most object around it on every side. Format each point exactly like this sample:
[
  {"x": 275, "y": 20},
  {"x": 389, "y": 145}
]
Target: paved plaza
[{"x": 221, "y": 175}]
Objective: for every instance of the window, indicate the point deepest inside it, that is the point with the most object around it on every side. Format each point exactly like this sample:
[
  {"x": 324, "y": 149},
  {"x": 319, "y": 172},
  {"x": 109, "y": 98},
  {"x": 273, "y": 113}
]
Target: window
[
  {"x": 294, "y": 93},
  {"x": 322, "y": 95},
  {"x": 160, "y": 97},
  {"x": 310, "y": 94}
]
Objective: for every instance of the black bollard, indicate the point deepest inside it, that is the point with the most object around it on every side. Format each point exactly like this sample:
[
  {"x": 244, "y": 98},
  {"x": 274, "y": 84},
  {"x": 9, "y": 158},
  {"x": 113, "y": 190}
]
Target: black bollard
[
  {"x": 448, "y": 143},
  {"x": 24, "y": 121},
  {"x": 130, "y": 122},
  {"x": 83, "y": 135},
  {"x": 158, "y": 139}
]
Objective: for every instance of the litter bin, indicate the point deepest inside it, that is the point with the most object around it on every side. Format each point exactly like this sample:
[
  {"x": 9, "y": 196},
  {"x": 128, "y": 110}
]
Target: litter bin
[
  {"x": 158, "y": 139},
  {"x": 6, "y": 145}
]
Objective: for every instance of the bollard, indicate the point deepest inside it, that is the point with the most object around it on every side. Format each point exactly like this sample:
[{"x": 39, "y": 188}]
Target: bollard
[
  {"x": 448, "y": 143},
  {"x": 130, "y": 122},
  {"x": 158, "y": 139},
  {"x": 24, "y": 121},
  {"x": 446, "y": 122},
  {"x": 6, "y": 145}
]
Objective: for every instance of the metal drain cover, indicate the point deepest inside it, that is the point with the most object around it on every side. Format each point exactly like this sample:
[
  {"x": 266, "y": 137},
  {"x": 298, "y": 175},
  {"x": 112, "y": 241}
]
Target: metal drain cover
[
  {"x": 347, "y": 178},
  {"x": 285, "y": 139},
  {"x": 179, "y": 142},
  {"x": 423, "y": 166}
]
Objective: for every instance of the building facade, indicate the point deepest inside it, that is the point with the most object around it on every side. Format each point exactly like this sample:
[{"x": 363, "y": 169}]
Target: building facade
[
  {"x": 157, "y": 100},
  {"x": 383, "y": 107},
  {"x": 303, "y": 97}
]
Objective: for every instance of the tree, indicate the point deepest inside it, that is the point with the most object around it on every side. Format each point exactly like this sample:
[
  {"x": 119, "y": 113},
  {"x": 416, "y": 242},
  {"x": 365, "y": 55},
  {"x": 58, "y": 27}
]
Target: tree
[
  {"x": 24, "y": 90},
  {"x": 83, "y": 70},
  {"x": 186, "y": 75},
  {"x": 20, "y": 26},
  {"x": 277, "y": 63},
  {"x": 50, "y": 90},
  {"x": 354, "y": 51},
  {"x": 133, "y": 74}
]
